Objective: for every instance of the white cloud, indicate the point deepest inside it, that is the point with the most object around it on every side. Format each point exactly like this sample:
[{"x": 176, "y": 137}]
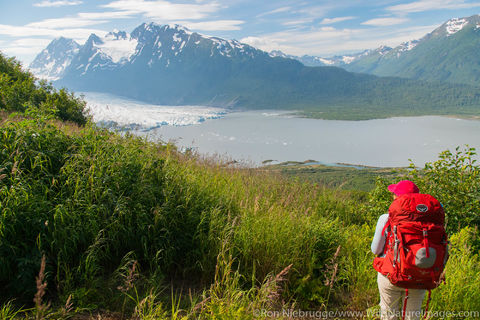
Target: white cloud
[
  {"x": 427, "y": 5},
  {"x": 106, "y": 15},
  {"x": 24, "y": 47},
  {"x": 316, "y": 11},
  {"x": 264, "y": 43},
  {"x": 382, "y": 22},
  {"x": 164, "y": 10},
  {"x": 15, "y": 51},
  {"x": 82, "y": 19},
  {"x": 328, "y": 41},
  {"x": 24, "y": 31},
  {"x": 302, "y": 42},
  {"x": 279, "y": 10},
  {"x": 298, "y": 22},
  {"x": 31, "y": 42},
  {"x": 68, "y": 22},
  {"x": 335, "y": 20},
  {"x": 216, "y": 25},
  {"x": 61, "y": 3}
]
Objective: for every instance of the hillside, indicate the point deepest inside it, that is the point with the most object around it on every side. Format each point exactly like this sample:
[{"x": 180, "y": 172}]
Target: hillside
[
  {"x": 449, "y": 54},
  {"x": 96, "y": 225},
  {"x": 173, "y": 66}
]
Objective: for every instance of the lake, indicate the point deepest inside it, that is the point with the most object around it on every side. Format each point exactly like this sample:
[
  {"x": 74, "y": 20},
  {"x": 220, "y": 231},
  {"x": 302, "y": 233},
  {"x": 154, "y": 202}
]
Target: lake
[{"x": 255, "y": 136}]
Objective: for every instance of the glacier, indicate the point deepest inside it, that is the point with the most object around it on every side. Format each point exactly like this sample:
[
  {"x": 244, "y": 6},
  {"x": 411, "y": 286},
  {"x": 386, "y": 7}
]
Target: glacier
[
  {"x": 118, "y": 49},
  {"x": 121, "y": 113}
]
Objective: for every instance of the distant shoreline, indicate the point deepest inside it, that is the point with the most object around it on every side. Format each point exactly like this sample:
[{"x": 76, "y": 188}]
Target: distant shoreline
[
  {"x": 271, "y": 163},
  {"x": 364, "y": 117}
]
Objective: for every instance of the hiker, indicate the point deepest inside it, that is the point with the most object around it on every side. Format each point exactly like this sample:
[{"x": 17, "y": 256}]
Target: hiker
[{"x": 411, "y": 247}]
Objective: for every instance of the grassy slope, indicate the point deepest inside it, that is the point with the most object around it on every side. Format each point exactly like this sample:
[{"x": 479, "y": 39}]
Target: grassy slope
[{"x": 96, "y": 204}]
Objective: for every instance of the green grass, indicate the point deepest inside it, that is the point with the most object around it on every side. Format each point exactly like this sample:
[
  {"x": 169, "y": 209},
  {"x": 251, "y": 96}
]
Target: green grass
[{"x": 342, "y": 177}]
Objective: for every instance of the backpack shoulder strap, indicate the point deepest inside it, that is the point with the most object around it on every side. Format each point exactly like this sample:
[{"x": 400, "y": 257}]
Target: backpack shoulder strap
[{"x": 385, "y": 227}]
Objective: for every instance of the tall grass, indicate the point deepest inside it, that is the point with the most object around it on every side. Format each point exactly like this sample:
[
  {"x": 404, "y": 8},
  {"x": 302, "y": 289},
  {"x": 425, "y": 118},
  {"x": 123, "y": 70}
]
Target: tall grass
[
  {"x": 144, "y": 230},
  {"x": 87, "y": 199},
  {"x": 461, "y": 289}
]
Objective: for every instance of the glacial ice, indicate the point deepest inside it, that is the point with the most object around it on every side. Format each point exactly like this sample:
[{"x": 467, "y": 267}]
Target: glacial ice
[{"x": 116, "y": 112}]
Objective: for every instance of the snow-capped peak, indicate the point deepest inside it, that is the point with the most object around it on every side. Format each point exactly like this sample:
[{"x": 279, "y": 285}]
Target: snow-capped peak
[
  {"x": 177, "y": 27},
  {"x": 383, "y": 49},
  {"x": 407, "y": 46},
  {"x": 277, "y": 53},
  {"x": 452, "y": 26},
  {"x": 53, "y": 60},
  {"x": 325, "y": 61},
  {"x": 116, "y": 34}
]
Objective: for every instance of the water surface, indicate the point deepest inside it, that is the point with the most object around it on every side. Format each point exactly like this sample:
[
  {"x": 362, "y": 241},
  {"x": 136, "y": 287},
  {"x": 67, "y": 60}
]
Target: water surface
[{"x": 256, "y": 136}]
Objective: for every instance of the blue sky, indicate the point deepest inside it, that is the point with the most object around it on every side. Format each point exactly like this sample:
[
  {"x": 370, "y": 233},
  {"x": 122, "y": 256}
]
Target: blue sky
[{"x": 315, "y": 27}]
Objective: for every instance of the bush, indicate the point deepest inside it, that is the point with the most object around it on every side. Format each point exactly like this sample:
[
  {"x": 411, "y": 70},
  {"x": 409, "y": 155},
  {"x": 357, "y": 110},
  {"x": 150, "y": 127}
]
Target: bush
[
  {"x": 454, "y": 179},
  {"x": 19, "y": 92}
]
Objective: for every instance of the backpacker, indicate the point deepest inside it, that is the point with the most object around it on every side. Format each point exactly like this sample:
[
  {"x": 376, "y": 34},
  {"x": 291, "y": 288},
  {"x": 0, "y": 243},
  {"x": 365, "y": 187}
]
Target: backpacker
[{"x": 415, "y": 252}]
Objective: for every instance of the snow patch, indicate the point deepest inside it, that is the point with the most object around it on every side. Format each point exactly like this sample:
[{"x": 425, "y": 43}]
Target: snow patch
[
  {"x": 382, "y": 50},
  {"x": 176, "y": 38},
  {"x": 117, "y": 112},
  {"x": 92, "y": 57},
  {"x": 157, "y": 43},
  {"x": 455, "y": 25},
  {"x": 277, "y": 53},
  {"x": 326, "y": 61},
  {"x": 118, "y": 49},
  {"x": 409, "y": 45},
  {"x": 49, "y": 66},
  {"x": 348, "y": 59},
  {"x": 179, "y": 28},
  {"x": 46, "y": 76},
  {"x": 236, "y": 44}
]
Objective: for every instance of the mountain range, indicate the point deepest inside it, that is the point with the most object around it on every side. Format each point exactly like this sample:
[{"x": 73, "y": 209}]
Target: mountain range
[
  {"x": 171, "y": 65},
  {"x": 449, "y": 53}
]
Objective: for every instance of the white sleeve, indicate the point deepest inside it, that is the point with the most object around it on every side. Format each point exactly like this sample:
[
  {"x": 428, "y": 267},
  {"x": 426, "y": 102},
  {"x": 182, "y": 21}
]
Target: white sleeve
[{"x": 378, "y": 242}]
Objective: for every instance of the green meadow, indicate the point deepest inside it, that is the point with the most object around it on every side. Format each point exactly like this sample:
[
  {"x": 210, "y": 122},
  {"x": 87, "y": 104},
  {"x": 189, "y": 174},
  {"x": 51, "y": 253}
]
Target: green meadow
[{"x": 98, "y": 225}]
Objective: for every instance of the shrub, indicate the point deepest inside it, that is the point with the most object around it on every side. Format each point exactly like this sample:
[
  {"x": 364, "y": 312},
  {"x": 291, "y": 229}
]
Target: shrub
[
  {"x": 454, "y": 179},
  {"x": 20, "y": 91}
]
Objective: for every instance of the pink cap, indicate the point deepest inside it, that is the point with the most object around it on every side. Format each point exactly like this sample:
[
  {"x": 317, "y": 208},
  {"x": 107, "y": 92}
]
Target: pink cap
[{"x": 403, "y": 187}]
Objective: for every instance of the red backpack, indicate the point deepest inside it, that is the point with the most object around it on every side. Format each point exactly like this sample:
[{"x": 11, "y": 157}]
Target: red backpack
[
  {"x": 416, "y": 248},
  {"x": 415, "y": 252}
]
